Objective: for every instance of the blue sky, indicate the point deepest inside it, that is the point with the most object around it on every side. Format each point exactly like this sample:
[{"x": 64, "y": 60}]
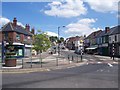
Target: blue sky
[{"x": 80, "y": 17}]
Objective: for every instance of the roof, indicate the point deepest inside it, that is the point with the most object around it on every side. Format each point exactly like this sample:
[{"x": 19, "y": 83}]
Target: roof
[
  {"x": 94, "y": 34},
  {"x": 9, "y": 28},
  {"x": 115, "y": 30}
]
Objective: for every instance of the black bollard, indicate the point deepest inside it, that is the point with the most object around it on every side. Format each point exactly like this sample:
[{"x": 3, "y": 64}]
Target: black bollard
[
  {"x": 22, "y": 63},
  {"x": 72, "y": 58},
  {"x": 56, "y": 61},
  {"x": 69, "y": 59},
  {"x": 77, "y": 58},
  {"x": 41, "y": 62},
  {"x": 81, "y": 58}
]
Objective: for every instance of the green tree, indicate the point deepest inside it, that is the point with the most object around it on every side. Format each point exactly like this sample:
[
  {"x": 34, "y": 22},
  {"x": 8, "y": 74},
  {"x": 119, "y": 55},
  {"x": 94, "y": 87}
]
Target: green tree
[
  {"x": 41, "y": 42},
  {"x": 61, "y": 39},
  {"x": 53, "y": 38}
]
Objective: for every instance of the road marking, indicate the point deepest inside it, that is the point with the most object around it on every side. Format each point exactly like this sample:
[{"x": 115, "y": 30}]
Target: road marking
[
  {"x": 110, "y": 65},
  {"x": 99, "y": 62},
  {"x": 85, "y": 60},
  {"x": 91, "y": 59},
  {"x": 72, "y": 66},
  {"x": 103, "y": 59},
  {"x": 68, "y": 67},
  {"x": 115, "y": 62}
]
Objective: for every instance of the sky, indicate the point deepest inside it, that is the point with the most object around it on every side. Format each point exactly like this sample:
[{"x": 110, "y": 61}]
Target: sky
[{"x": 80, "y": 17}]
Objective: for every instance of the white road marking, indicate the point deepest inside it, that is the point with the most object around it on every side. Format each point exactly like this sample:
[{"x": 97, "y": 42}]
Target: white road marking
[
  {"x": 85, "y": 60},
  {"x": 115, "y": 62},
  {"x": 91, "y": 59},
  {"x": 102, "y": 59},
  {"x": 99, "y": 62},
  {"x": 101, "y": 70},
  {"x": 110, "y": 65}
]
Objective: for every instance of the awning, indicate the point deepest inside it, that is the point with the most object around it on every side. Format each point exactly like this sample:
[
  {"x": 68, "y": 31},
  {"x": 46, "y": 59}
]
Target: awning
[{"x": 91, "y": 48}]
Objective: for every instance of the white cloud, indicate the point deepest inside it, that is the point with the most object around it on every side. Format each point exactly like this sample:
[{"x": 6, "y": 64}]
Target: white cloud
[
  {"x": 82, "y": 27},
  {"x": 3, "y": 21},
  {"x": 70, "y": 8},
  {"x": 51, "y": 33},
  {"x": 19, "y": 23},
  {"x": 103, "y": 5}
]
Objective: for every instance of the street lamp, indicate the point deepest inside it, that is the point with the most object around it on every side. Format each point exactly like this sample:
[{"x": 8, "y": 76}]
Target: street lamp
[
  {"x": 30, "y": 40},
  {"x": 59, "y": 39}
]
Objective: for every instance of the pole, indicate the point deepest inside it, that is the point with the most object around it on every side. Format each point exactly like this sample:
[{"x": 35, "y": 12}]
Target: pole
[
  {"x": 56, "y": 61},
  {"x": 22, "y": 62},
  {"x": 31, "y": 54},
  {"x": 69, "y": 59},
  {"x": 40, "y": 59},
  {"x": 113, "y": 49},
  {"x": 81, "y": 53},
  {"x": 77, "y": 58},
  {"x": 58, "y": 43},
  {"x": 72, "y": 58}
]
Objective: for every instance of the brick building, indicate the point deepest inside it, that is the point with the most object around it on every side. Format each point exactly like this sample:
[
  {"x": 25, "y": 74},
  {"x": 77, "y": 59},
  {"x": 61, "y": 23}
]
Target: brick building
[{"x": 20, "y": 36}]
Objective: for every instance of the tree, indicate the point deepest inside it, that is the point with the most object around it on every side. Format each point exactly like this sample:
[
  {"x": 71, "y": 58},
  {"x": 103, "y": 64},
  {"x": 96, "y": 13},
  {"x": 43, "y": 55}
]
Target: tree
[
  {"x": 41, "y": 42},
  {"x": 61, "y": 39},
  {"x": 53, "y": 38}
]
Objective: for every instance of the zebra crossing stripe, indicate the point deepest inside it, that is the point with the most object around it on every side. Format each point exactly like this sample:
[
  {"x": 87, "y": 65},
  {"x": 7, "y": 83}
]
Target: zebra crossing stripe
[{"x": 110, "y": 65}]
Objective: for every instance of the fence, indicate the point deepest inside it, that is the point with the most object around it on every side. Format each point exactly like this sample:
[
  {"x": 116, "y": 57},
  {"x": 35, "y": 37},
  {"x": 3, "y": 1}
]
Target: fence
[{"x": 50, "y": 61}]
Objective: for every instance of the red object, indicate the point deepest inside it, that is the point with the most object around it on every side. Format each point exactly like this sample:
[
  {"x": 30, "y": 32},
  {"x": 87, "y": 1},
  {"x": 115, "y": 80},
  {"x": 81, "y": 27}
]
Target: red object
[{"x": 10, "y": 63}]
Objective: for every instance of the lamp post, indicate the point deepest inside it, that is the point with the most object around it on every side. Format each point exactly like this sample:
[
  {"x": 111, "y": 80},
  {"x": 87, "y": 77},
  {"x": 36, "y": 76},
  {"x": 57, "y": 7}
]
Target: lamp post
[
  {"x": 31, "y": 40},
  {"x": 59, "y": 40}
]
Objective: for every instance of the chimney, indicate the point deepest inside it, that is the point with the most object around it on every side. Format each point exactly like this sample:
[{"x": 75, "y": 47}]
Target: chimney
[
  {"x": 14, "y": 22},
  {"x": 27, "y": 27},
  {"x": 33, "y": 31},
  {"x": 107, "y": 29}
]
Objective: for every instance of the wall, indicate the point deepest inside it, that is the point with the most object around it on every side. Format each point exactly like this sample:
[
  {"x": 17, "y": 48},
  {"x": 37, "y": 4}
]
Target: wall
[{"x": 113, "y": 38}]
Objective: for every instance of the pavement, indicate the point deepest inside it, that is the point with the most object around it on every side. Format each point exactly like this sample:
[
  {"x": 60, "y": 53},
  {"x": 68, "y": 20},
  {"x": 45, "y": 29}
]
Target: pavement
[{"x": 52, "y": 62}]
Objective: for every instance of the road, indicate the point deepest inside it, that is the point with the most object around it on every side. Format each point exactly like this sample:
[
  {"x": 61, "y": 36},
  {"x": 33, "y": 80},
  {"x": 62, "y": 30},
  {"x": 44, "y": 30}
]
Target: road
[
  {"x": 97, "y": 73},
  {"x": 87, "y": 76}
]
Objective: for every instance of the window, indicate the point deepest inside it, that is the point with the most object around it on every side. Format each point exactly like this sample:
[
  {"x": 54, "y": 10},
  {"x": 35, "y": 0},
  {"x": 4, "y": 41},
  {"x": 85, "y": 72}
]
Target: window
[
  {"x": 25, "y": 38},
  {"x": 6, "y": 36},
  {"x": 18, "y": 36},
  {"x": 109, "y": 39}
]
